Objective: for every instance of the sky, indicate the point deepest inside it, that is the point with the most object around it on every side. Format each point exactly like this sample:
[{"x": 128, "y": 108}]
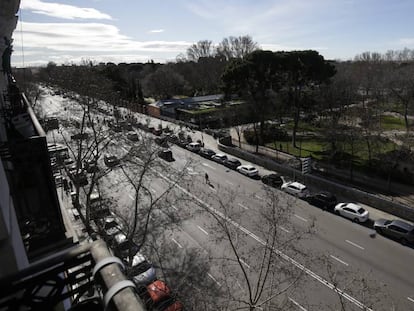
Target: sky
[{"x": 129, "y": 31}]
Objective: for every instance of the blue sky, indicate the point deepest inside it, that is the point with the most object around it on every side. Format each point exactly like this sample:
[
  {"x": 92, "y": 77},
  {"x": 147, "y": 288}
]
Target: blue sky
[{"x": 140, "y": 30}]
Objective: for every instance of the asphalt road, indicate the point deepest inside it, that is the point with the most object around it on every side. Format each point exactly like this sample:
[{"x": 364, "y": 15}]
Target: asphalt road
[{"x": 337, "y": 252}]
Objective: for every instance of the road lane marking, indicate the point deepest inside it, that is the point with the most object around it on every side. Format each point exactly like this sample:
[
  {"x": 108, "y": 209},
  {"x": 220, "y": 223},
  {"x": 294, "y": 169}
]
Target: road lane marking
[
  {"x": 230, "y": 183},
  {"x": 354, "y": 244},
  {"x": 258, "y": 197},
  {"x": 202, "y": 230},
  {"x": 214, "y": 279},
  {"x": 301, "y": 218},
  {"x": 191, "y": 171},
  {"x": 178, "y": 244},
  {"x": 174, "y": 207},
  {"x": 194, "y": 241},
  {"x": 339, "y": 260},
  {"x": 244, "y": 263},
  {"x": 282, "y": 255},
  {"x": 238, "y": 283},
  {"x": 297, "y": 304},
  {"x": 208, "y": 165},
  {"x": 245, "y": 207},
  {"x": 284, "y": 229},
  {"x": 410, "y": 299}
]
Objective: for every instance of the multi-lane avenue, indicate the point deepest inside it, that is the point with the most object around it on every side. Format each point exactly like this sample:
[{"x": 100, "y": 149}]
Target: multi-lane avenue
[{"x": 339, "y": 262}]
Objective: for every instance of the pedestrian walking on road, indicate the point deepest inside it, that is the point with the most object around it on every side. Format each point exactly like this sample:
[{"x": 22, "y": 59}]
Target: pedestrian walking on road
[{"x": 207, "y": 180}]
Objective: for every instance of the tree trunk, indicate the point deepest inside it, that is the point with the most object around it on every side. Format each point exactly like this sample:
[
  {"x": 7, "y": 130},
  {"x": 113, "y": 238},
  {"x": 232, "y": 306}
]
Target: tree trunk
[
  {"x": 295, "y": 127},
  {"x": 407, "y": 125}
]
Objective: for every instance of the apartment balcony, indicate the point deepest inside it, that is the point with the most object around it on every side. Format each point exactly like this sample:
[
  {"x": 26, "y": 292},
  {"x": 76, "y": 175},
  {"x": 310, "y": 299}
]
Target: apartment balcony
[{"x": 85, "y": 277}]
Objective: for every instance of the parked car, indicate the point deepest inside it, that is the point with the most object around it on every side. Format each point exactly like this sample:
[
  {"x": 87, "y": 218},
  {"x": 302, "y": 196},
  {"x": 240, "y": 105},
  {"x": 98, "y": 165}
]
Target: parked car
[
  {"x": 295, "y": 188},
  {"x": 111, "y": 160},
  {"x": 91, "y": 166},
  {"x": 157, "y": 132},
  {"x": 182, "y": 143},
  {"x": 161, "y": 141},
  {"x": 248, "y": 170},
  {"x": 133, "y": 136},
  {"x": 166, "y": 155},
  {"x": 232, "y": 163},
  {"x": 206, "y": 153},
  {"x": 194, "y": 147},
  {"x": 158, "y": 296},
  {"x": 323, "y": 199},
  {"x": 219, "y": 158},
  {"x": 79, "y": 136},
  {"x": 395, "y": 229},
  {"x": 140, "y": 270},
  {"x": 352, "y": 211},
  {"x": 273, "y": 180},
  {"x": 79, "y": 179}
]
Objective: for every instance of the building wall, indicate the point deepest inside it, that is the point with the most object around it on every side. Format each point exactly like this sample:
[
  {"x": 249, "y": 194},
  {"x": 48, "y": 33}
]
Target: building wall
[{"x": 13, "y": 255}]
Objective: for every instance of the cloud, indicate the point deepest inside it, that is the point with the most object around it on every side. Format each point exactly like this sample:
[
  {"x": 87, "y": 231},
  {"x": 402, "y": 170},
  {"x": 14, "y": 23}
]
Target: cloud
[
  {"x": 156, "y": 31},
  {"x": 406, "y": 41},
  {"x": 87, "y": 37},
  {"x": 64, "y": 11}
]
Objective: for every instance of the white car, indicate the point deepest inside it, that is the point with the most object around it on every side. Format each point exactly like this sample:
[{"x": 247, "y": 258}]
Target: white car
[
  {"x": 352, "y": 211},
  {"x": 194, "y": 147},
  {"x": 295, "y": 188},
  {"x": 248, "y": 170},
  {"x": 143, "y": 273},
  {"x": 219, "y": 158}
]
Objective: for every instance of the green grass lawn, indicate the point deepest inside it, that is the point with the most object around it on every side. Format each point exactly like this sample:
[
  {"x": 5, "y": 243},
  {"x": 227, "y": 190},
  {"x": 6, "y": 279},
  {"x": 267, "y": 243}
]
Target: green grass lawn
[
  {"x": 317, "y": 147},
  {"x": 309, "y": 147},
  {"x": 392, "y": 123}
]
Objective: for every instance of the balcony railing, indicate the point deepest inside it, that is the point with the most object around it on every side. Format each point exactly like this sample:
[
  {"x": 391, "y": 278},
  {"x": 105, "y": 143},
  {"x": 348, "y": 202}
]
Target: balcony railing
[{"x": 67, "y": 281}]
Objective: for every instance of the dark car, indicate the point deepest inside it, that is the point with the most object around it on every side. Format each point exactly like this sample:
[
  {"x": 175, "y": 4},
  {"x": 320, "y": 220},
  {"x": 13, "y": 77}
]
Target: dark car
[
  {"x": 324, "y": 199},
  {"x": 162, "y": 141},
  {"x": 206, "y": 153},
  {"x": 232, "y": 163},
  {"x": 166, "y": 154},
  {"x": 395, "y": 229},
  {"x": 79, "y": 136},
  {"x": 111, "y": 160},
  {"x": 273, "y": 180}
]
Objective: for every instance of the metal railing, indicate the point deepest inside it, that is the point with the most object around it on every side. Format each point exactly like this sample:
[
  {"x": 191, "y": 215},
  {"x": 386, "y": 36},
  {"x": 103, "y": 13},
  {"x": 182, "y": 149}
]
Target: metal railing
[{"x": 84, "y": 273}]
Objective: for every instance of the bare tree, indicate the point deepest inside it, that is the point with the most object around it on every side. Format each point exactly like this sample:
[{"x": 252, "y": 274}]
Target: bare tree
[
  {"x": 236, "y": 47},
  {"x": 256, "y": 276},
  {"x": 203, "y": 48}
]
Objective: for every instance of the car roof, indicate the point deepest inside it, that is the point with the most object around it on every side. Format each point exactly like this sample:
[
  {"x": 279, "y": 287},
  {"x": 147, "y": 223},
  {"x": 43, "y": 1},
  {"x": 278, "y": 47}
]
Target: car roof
[
  {"x": 220, "y": 155},
  {"x": 403, "y": 224},
  {"x": 297, "y": 185},
  {"x": 233, "y": 160},
  {"x": 248, "y": 166},
  {"x": 353, "y": 206}
]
